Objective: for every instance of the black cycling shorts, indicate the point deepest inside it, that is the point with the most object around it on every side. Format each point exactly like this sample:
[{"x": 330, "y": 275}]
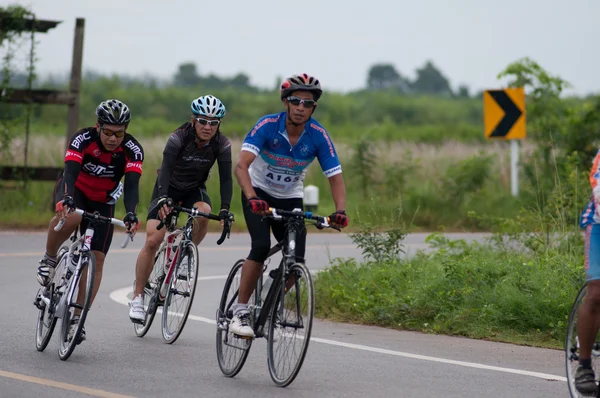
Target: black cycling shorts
[
  {"x": 184, "y": 198},
  {"x": 103, "y": 232},
  {"x": 260, "y": 229}
]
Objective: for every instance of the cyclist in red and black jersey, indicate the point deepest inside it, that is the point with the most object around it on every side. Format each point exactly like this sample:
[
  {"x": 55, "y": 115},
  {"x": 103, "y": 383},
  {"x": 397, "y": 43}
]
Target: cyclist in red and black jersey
[
  {"x": 96, "y": 160},
  {"x": 188, "y": 157}
]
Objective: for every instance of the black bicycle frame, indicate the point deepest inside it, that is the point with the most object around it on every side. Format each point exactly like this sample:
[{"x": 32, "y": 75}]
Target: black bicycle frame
[{"x": 294, "y": 227}]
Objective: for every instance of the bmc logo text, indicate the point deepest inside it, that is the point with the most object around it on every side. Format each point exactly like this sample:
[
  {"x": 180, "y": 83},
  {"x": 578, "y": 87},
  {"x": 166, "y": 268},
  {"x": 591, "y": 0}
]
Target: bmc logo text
[
  {"x": 79, "y": 139},
  {"x": 135, "y": 149},
  {"x": 98, "y": 169}
]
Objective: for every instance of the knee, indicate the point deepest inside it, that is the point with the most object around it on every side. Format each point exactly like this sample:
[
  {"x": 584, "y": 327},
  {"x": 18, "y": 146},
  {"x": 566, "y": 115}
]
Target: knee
[
  {"x": 259, "y": 251},
  {"x": 593, "y": 294},
  {"x": 153, "y": 242},
  {"x": 203, "y": 207}
]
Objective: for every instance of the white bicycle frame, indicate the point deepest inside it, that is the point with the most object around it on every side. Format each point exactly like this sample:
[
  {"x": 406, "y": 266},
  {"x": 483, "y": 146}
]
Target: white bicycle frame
[{"x": 84, "y": 245}]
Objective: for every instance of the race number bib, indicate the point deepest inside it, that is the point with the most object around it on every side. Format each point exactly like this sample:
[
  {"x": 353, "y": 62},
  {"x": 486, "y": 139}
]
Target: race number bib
[{"x": 281, "y": 180}]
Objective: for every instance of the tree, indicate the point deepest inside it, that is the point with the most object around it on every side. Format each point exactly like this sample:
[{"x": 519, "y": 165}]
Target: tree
[
  {"x": 241, "y": 80},
  {"x": 187, "y": 75},
  {"x": 385, "y": 76},
  {"x": 431, "y": 81},
  {"x": 463, "y": 91}
]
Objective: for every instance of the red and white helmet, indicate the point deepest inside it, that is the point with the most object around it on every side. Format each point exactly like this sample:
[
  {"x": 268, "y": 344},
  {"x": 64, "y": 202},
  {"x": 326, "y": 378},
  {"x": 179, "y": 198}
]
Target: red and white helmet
[{"x": 302, "y": 82}]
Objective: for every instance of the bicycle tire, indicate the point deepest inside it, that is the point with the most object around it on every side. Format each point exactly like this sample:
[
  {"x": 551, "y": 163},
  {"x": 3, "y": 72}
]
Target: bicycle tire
[
  {"x": 151, "y": 294},
  {"x": 66, "y": 347},
  {"x": 230, "y": 368},
  {"x": 300, "y": 272},
  {"x": 43, "y": 335},
  {"x": 572, "y": 346},
  {"x": 188, "y": 249}
]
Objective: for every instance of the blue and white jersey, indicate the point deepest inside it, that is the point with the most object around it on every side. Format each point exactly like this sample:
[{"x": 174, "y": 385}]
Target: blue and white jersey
[{"x": 279, "y": 167}]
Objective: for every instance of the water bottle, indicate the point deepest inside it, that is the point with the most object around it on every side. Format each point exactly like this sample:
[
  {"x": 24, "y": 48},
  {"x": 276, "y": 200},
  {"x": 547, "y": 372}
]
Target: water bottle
[{"x": 265, "y": 288}]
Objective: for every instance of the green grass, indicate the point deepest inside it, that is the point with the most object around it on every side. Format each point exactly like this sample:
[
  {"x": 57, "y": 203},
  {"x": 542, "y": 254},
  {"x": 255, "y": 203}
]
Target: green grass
[{"x": 476, "y": 290}]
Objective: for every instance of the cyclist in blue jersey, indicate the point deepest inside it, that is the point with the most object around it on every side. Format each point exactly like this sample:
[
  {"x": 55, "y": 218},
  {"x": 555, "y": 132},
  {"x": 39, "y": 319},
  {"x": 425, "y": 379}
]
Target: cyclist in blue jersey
[{"x": 270, "y": 170}]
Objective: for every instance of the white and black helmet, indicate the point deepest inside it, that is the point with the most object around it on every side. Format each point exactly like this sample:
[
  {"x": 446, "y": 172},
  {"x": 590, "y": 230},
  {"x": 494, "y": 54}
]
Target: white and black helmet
[
  {"x": 209, "y": 106},
  {"x": 113, "y": 111}
]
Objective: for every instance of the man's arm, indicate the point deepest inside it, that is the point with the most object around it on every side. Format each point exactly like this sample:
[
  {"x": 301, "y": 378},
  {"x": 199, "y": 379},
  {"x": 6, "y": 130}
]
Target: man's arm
[
  {"x": 131, "y": 196},
  {"x": 338, "y": 191},
  {"x": 168, "y": 163},
  {"x": 72, "y": 169},
  {"x": 225, "y": 180},
  {"x": 243, "y": 175}
]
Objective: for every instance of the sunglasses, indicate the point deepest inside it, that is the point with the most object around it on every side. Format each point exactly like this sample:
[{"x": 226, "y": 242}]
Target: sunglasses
[
  {"x": 204, "y": 122},
  {"x": 110, "y": 133},
  {"x": 297, "y": 101}
]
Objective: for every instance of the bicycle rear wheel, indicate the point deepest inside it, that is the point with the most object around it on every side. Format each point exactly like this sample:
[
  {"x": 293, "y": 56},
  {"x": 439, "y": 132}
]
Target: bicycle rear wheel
[
  {"x": 88, "y": 270},
  {"x": 151, "y": 294},
  {"x": 232, "y": 350},
  {"x": 572, "y": 346},
  {"x": 290, "y": 326},
  {"x": 46, "y": 321},
  {"x": 180, "y": 293}
]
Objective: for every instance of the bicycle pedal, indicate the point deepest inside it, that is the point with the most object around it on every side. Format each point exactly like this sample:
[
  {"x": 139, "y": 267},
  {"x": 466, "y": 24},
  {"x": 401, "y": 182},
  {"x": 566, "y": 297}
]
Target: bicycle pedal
[
  {"x": 39, "y": 304},
  {"x": 138, "y": 322}
]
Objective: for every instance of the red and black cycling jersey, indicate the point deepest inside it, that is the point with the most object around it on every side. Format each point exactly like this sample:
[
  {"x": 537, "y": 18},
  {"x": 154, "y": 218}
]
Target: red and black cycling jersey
[
  {"x": 186, "y": 164},
  {"x": 98, "y": 172}
]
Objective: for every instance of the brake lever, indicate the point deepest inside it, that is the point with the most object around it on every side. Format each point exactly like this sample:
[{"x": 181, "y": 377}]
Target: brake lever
[{"x": 226, "y": 231}]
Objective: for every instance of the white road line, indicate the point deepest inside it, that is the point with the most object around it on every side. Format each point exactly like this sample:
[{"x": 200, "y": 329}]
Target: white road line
[
  {"x": 201, "y": 249},
  {"x": 121, "y": 296}
]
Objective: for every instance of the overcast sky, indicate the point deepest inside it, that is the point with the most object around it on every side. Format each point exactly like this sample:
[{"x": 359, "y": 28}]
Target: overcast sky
[{"x": 471, "y": 41}]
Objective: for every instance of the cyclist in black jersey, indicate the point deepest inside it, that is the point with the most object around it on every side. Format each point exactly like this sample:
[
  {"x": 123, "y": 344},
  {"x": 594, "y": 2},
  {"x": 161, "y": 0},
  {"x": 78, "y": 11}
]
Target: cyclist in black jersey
[
  {"x": 96, "y": 160},
  {"x": 188, "y": 157}
]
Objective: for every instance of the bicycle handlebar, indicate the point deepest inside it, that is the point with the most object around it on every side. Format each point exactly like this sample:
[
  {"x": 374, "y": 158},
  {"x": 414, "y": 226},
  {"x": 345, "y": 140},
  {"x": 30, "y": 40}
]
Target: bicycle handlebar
[
  {"x": 194, "y": 212},
  {"x": 97, "y": 217},
  {"x": 322, "y": 222}
]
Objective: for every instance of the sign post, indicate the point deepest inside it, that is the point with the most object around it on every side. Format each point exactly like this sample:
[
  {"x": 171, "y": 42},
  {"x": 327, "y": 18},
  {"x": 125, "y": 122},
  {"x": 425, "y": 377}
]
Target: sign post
[{"x": 504, "y": 118}]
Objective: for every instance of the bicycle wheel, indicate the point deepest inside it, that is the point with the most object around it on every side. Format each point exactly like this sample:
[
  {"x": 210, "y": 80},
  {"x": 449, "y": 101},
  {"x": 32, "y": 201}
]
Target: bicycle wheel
[
  {"x": 46, "y": 321},
  {"x": 180, "y": 293},
  {"x": 151, "y": 294},
  {"x": 290, "y": 326},
  {"x": 88, "y": 268},
  {"x": 572, "y": 346},
  {"x": 232, "y": 350}
]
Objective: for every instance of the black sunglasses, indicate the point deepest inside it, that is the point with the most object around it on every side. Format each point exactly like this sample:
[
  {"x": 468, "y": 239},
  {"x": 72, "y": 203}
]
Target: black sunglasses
[
  {"x": 110, "y": 133},
  {"x": 204, "y": 122},
  {"x": 297, "y": 101}
]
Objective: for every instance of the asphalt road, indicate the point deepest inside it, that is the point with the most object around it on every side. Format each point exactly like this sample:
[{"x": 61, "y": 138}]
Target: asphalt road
[{"x": 342, "y": 361}]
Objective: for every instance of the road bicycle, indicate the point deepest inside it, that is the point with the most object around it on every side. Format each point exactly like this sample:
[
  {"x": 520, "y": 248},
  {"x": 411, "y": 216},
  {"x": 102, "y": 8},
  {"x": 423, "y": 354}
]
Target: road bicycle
[
  {"x": 281, "y": 310},
  {"x": 172, "y": 282},
  {"x": 58, "y": 299},
  {"x": 572, "y": 347}
]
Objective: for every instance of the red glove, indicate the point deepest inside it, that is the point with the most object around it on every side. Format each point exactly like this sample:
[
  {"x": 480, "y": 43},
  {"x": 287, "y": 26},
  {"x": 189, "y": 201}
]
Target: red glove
[
  {"x": 258, "y": 205},
  {"x": 340, "y": 218},
  {"x": 66, "y": 202}
]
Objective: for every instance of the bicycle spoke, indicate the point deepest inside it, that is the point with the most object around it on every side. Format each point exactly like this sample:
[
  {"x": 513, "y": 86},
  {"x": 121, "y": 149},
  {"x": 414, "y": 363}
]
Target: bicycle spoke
[
  {"x": 232, "y": 350},
  {"x": 180, "y": 294},
  {"x": 290, "y": 327}
]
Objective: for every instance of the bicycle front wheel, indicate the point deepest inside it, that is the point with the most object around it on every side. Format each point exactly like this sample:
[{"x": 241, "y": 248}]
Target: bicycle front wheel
[
  {"x": 572, "y": 346},
  {"x": 232, "y": 350},
  {"x": 46, "y": 318},
  {"x": 68, "y": 341},
  {"x": 151, "y": 294},
  {"x": 180, "y": 293},
  {"x": 290, "y": 325}
]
